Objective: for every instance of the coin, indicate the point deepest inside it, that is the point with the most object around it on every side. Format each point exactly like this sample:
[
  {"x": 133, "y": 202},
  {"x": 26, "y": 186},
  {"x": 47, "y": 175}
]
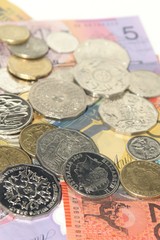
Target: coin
[
  {"x": 91, "y": 175},
  {"x": 63, "y": 74},
  {"x": 57, "y": 99},
  {"x": 15, "y": 113},
  {"x": 102, "y": 48},
  {"x": 3, "y": 141},
  {"x": 144, "y": 83},
  {"x": 141, "y": 179},
  {"x": 11, "y": 139},
  {"x": 10, "y": 156},
  {"x": 13, "y": 34},
  {"x": 128, "y": 114},
  {"x": 56, "y": 146},
  {"x": 62, "y": 42},
  {"x": 32, "y": 49},
  {"x": 30, "y": 134},
  {"x": 144, "y": 148},
  {"x": 29, "y": 69},
  {"x": 29, "y": 190}
]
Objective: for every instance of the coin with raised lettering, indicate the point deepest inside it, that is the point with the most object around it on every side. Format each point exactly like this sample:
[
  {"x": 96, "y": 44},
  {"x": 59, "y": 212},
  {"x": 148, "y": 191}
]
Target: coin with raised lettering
[
  {"x": 56, "y": 146},
  {"x": 13, "y": 34},
  {"x": 91, "y": 175},
  {"x": 141, "y": 179},
  {"x": 29, "y": 69},
  {"x": 29, "y": 190}
]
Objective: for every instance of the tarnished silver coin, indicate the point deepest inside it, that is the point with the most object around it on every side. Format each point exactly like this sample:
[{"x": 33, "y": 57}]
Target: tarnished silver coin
[
  {"x": 128, "y": 114},
  {"x": 101, "y": 48},
  {"x": 32, "y": 49},
  {"x": 29, "y": 190},
  {"x": 101, "y": 78},
  {"x": 11, "y": 84},
  {"x": 15, "y": 113},
  {"x": 57, "y": 99},
  {"x": 62, "y": 42},
  {"x": 144, "y": 83},
  {"x": 56, "y": 146},
  {"x": 144, "y": 148},
  {"x": 91, "y": 175}
]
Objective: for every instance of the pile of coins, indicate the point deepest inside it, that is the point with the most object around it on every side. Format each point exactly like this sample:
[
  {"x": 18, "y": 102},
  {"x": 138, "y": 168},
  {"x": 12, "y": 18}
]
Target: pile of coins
[{"x": 100, "y": 73}]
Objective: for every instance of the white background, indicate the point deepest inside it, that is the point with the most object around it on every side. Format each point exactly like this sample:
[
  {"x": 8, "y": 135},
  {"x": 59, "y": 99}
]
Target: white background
[{"x": 147, "y": 10}]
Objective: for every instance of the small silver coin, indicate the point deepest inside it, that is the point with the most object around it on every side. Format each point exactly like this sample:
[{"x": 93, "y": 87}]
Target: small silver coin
[
  {"x": 56, "y": 146},
  {"x": 128, "y": 114},
  {"x": 32, "y": 49},
  {"x": 15, "y": 114},
  {"x": 57, "y": 99},
  {"x": 29, "y": 190},
  {"x": 62, "y": 42},
  {"x": 144, "y": 148}
]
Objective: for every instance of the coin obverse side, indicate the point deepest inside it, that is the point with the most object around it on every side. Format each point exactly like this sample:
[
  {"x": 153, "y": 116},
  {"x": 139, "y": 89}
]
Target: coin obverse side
[
  {"x": 141, "y": 179},
  {"x": 16, "y": 113},
  {"x": 144, "y": 148},
  {"x": 56, "y": 146},
  {"x": 91, "y": 175},
  {"x": 29, "y": 190}
]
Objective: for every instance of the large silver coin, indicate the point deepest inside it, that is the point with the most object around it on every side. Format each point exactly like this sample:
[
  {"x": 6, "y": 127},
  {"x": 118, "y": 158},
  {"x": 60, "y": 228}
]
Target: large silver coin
[
  {"x": 62, "y": 42},
  {"x": 29, "y": 190},
  {"x": 102, "y": 48},
  {"x": 11, "y": 84},
  {"x": 128, "y": 114},
  {"x": 144, "y": 148},
  {"x": 57, "y": 99},
  {"x": 56, "y": 146},
  {"x": 32, "y": 49},
  {"x": 15, "y": 113},
  {"x": 101, "y": 78},
  {"x": 144, "y": 83}
]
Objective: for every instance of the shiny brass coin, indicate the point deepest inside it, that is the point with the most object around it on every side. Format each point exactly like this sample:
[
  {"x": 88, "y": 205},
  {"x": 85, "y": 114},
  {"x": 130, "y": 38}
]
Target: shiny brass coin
[
  {"x": 30, "y": 134},
  {"x": 10, "y": 156},
  {"x": 141, "y": 179},
  {"x": 14, "y": 34},
  {"x": 29, "y": 69}
]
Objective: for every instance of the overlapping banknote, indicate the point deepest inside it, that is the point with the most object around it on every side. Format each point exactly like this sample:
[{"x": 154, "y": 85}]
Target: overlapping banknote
[{"x": 119, "y": 216}]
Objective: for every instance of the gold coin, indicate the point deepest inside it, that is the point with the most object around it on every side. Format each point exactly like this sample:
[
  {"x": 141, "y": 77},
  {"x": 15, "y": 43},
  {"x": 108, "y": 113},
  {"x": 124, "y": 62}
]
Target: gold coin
[
  {"x": 14, "y": 34},
  {"x": 29, "y": 69},
  {"x": 10, "y": 156},
  {"x": 141, "y": 179},
  {"x": 30, "y": 134}
]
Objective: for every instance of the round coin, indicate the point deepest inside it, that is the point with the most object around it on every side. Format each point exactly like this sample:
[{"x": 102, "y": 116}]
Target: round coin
[
  {"x": 141, "y": 179},
  {"x": 57, "y": 99},
  {"x": 30, "y": 134},
  {"x": 29, "y": 69},
  {"x": 15, "y": 113},
  {"x": 32, "y": 49},
  {"x": 62, "y": 42},
  {"x": 128, "y": 114},
  {"x": 14, "y": 34},
  {"x": 63, "y": 74},
  {"x": 91, "y": 175},
  {"x": 10, "y": 156},
  {"x": 144, "y": 148},
  {"x": 29, "y": 190},
  {"x": 56, "y": 146}
]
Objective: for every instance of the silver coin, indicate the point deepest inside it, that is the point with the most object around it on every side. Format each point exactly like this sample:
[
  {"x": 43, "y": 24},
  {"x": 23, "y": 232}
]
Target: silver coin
[
  {"x": 101, "y": 48},
  {"x": 11, "y": 84},
  {"x": 56, "y": 146},
  {"x": 15, "y": 113},
  {"x": 29, "y": 190},
  {"x": 62, "y": 42},
  {"x": 144, "y": 148},
  {"x": 144, "y": 83},
  {"x": 128, "y": 114},
  {"x": 57, "y": 99},
  {"x": 101, "y": 78},
  {"x": 12, "y": 140},
  {"x": 32, "y": 49},
  {"x": 63, "y": 74}
]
